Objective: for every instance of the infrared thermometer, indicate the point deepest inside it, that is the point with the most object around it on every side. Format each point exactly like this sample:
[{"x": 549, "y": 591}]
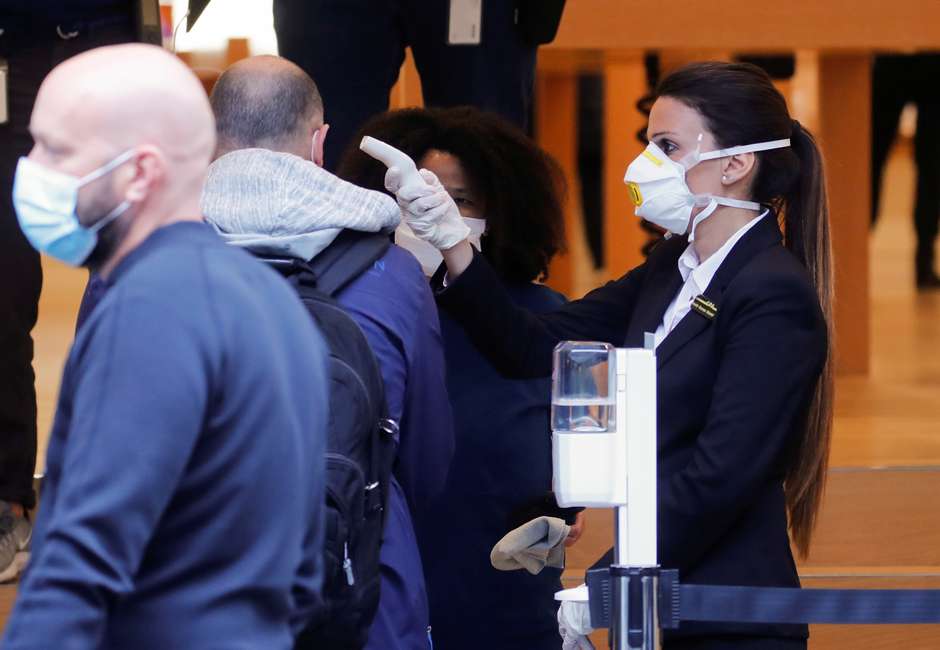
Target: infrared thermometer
[{"x": 392, "y": 157}]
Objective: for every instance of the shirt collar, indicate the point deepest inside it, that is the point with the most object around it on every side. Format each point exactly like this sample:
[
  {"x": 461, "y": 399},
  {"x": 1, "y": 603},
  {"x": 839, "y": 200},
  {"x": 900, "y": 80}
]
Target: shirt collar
[
  {"x": 171, "y": 234},
  {"x": 703, "y": 272}
]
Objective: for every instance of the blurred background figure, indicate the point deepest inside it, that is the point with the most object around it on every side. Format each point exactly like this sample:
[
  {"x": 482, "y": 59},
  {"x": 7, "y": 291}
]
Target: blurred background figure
[
  {"x": 898, "y": 80},
  {"x": 479, "y": 53},
  {"x": 35, "y": 36}
]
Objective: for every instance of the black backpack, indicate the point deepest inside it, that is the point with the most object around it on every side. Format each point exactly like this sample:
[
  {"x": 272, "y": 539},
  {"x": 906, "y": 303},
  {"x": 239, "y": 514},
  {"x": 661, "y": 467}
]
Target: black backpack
[{"x": 360, "y": 444}]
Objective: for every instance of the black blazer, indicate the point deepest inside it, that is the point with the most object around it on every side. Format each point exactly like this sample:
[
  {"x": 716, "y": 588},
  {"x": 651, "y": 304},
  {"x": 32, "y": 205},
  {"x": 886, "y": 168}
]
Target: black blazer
[{"x": 733, "y": 395}]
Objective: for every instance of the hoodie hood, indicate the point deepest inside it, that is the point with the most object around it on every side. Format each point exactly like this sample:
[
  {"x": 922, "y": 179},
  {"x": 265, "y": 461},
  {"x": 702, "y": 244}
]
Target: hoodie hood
[{"x": 279, "y": 204}]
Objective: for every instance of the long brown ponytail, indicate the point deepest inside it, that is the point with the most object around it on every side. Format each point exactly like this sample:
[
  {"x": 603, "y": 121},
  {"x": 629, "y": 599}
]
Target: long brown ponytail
[
  {"x": 806, "y": 231},
  {"x": 741, "y": 106}
]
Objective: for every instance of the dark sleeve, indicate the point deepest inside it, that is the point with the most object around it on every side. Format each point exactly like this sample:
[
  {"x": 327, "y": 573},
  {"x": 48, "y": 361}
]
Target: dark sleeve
[
  {"x": 141, "y": 393},
  {"x": 519, "y": 343},
  {"x": 544, "y": 506},
  {"x": 771, "y": 360},
  {"x": 427, "y": 426}
]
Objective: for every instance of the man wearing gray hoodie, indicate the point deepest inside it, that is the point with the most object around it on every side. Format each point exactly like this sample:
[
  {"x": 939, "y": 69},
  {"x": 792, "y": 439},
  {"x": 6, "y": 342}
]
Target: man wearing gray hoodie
[{"x": 267, "y": 192}]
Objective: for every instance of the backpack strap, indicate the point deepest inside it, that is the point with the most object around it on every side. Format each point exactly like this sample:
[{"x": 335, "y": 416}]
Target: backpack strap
[
  {"x": 351, "y": 253},
  {"x": 346, "y": 258}
]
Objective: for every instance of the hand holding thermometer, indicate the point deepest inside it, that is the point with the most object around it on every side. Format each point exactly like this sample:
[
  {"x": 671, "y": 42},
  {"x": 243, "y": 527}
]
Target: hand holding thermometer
[
  {"x": 438, "y": 223},
  {"x": 392, "y": 157}
]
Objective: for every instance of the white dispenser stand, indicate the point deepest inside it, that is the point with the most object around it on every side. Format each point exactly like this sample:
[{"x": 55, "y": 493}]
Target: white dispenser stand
[{"x": 611, "y": 462}]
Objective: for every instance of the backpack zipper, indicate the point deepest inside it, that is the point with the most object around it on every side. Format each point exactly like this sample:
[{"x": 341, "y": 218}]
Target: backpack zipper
[{"x": 348, "y": 565}]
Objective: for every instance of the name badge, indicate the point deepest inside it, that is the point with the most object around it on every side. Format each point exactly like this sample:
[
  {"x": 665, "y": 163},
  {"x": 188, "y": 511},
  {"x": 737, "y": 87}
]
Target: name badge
[
  {"x": 466, "y": 22},
  {"x": 705, "y": 307},
  {"x": 4, "y": 110}
]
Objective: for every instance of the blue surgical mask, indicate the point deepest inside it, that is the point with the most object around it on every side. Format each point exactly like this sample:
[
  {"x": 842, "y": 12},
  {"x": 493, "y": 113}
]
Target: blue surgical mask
[{"x": 45, "y": 202}]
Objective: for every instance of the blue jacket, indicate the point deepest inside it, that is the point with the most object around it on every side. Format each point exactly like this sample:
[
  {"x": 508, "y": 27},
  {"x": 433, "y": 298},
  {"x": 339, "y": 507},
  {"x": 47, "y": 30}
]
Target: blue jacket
[
  {"x": 499, "y": 479},
  {"x": 395, "y": 309},
  {"x": 393, "y": 305},
  {"x": 733, "y": 392},
  {"x": 182, "y": 506}
]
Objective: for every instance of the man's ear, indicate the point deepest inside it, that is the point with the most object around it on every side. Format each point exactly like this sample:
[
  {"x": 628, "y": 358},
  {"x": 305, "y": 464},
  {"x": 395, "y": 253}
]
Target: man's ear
[
  {"x": 319, "y": 137},
  {"x": 149, "y": 169}
]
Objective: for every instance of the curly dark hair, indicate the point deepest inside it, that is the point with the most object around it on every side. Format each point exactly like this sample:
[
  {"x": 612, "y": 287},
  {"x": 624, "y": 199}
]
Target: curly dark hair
[{"x": 521, "y": 186}]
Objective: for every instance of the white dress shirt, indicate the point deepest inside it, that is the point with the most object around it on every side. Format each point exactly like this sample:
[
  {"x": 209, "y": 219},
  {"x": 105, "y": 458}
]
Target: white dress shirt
[{"x": 696, "y": 277}]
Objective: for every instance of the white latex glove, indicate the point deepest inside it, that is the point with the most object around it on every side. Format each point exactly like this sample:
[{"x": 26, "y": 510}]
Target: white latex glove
[
  {"x": 428, "y": 209},
  {"x": 574, "y": 624}
]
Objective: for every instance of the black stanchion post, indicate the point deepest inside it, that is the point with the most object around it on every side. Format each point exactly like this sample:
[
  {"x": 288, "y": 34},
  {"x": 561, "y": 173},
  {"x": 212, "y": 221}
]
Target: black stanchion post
[{"x": 634, "y": 615}]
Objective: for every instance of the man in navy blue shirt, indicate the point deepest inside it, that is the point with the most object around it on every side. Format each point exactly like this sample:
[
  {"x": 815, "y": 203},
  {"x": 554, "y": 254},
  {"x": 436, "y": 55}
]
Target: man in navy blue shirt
[{"x": 182, "y": 507}]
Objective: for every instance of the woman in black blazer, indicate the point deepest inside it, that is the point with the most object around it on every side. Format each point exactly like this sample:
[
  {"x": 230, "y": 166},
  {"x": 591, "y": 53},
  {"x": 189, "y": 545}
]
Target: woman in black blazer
[{"x": 742, "y": 317}]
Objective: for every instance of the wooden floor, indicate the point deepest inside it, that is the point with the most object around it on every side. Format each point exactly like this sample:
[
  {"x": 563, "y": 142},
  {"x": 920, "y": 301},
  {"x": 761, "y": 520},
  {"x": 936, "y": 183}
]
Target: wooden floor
[{"x": 881, "y": 526}]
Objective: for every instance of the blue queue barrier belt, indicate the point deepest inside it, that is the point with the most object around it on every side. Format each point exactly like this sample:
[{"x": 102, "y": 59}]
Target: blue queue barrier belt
[{"x": 725, "y": 604}]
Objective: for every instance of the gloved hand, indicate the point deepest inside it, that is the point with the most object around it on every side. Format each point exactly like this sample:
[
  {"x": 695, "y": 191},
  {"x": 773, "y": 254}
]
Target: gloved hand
[
  {"x": 428, "y": 209},
  {"x": 574, "y": 624}
]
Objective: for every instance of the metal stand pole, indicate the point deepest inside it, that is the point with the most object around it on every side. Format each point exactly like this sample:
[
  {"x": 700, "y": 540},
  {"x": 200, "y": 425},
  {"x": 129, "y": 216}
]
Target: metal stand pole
[
  {"x": 619, "y": 584},
  {"x": 634, "y": 597},
  {"x": 634, "y": 616}
]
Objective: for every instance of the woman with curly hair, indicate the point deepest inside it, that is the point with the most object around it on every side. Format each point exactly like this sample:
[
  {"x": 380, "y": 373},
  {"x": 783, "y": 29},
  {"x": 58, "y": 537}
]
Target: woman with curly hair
[{"x": 500, "y": 476}]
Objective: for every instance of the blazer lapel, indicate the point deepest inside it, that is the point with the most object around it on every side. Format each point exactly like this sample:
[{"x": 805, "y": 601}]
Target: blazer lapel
[
  {"x": 693, "y": 324},
  {"x": 661, "y": 290},
  {"x": 763, "y": 235}
]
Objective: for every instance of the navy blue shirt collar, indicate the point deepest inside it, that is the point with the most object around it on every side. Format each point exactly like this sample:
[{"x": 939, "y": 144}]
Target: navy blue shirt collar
[{"x": 174, "y": 233}]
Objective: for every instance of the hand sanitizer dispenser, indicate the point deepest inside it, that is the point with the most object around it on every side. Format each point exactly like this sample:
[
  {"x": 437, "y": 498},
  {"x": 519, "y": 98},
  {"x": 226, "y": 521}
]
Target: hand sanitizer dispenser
[
  {"x": 604, "y": 455},
  {"x": 604, "y": 433},
  {"x": 585, "y": 441}
]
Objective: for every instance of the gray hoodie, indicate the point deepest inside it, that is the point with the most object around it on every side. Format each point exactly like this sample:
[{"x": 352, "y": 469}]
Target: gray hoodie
[{"x": 276, "y": 203}]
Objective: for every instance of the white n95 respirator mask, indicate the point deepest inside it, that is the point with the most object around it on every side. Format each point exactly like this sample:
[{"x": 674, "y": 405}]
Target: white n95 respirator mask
[
  {"x": 659, "y": 191},
  {"x": 427, "y": 255}
]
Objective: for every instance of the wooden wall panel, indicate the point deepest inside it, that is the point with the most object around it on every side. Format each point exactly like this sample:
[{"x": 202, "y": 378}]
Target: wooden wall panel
[
  {"x": 845, "y": 119},
  {"x": 765, "y": 25},
  {"x": 624, "y": 84}
]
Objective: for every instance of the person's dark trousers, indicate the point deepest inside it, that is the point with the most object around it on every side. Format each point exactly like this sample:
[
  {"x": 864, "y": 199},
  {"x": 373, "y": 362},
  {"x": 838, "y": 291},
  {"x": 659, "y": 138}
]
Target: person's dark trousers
[
  {"x": 927, "y": 157},
  {"x": 890, "y": 91},
  {"x": 353, "y": 50},
  {"x": 591, "y": 161},
  {"x": 897, "y": 80},
  {"x": 31, "y": 51}
]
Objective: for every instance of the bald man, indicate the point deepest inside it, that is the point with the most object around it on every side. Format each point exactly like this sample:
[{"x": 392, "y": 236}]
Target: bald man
[
  {"x": 185, "y": 466},
  {"x": 267, "y": 192}
]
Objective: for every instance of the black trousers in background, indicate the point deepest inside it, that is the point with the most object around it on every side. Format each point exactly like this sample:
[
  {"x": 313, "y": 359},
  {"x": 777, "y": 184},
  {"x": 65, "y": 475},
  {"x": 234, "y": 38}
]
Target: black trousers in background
[
  {"x": 353, "y": 49},
  {"x": 897, "y": 80},
  {"x": 31, "y": 52}
]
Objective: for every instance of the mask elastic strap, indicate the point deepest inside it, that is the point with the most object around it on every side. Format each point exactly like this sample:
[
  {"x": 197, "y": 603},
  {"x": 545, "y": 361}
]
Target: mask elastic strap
[
  {"x": 713, "y": 203},
  {"x": 106, "y": 168},
  {"x": 737, "y": 203},
  {"x": 693, "y": 158},
  {"x": 701, "y": 216},
  {"x": 744, "y": 148},
  {"x": 118, "y": 210}
]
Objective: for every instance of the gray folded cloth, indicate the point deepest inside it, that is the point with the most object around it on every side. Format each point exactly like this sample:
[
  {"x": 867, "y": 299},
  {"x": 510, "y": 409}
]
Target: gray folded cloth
[{"x": 532, "y": 546}]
